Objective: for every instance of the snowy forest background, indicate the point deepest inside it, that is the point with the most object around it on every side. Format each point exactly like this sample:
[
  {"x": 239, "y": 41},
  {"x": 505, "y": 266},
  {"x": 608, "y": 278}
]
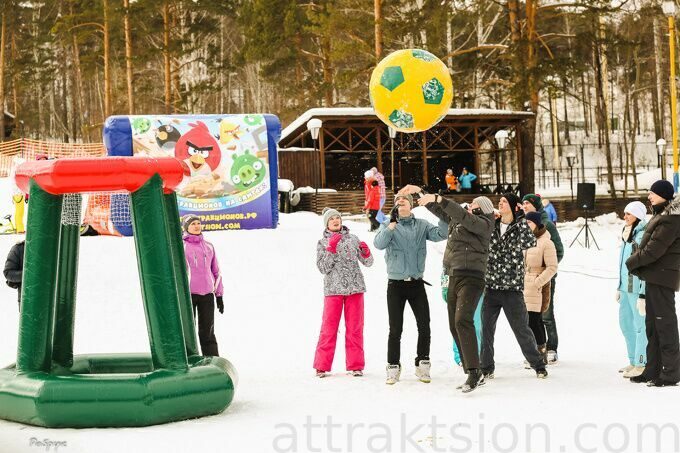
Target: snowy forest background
[{"x": 600, "y": 67}]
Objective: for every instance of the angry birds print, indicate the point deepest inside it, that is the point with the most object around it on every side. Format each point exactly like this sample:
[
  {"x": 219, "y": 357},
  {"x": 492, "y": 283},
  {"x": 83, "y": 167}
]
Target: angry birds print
[
  {"x": 167, "y": 137},
  {"x": 199, "y": 150},
  {"x": 229, "y": 131},
  {"x": 246, "y": 171}
]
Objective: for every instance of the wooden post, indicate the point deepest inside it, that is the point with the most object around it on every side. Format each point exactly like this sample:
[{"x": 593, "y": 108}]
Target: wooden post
[
  {"x": 425, "y": 178},
  {"x": 527, "y": 181},
  {"x": 378, "y": 132},
  {"x": 476, "y": 153},
  {"x": 518, "y": 152},
  {"x": 323, "y": 158}
]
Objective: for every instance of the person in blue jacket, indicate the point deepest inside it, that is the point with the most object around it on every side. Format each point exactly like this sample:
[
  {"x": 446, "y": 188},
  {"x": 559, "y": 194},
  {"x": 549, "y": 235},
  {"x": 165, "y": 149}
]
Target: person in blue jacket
[
  {"x": 477, "y": 318},
  {"x": 631, "y": 290},
  {"x": 550, "y": 210},
  {"x": 404, "y": 238},
  {"x": 465, "y": 179}
]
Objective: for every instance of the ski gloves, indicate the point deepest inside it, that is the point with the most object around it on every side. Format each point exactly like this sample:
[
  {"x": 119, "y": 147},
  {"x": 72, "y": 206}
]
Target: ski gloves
[
  {"x": 333, "y": 242},
  {"x": 364, "y": 250}
]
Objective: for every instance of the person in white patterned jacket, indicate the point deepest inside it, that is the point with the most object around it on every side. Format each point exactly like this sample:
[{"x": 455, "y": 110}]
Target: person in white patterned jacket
[{"x": 338, "y": 254}]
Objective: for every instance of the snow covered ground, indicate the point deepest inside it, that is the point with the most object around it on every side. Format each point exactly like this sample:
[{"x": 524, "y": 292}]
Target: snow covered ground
[{"x": 269, "y": 331}]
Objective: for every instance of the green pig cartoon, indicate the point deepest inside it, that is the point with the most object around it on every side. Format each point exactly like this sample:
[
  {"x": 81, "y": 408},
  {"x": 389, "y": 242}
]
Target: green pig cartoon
[
  {"x": 141, "y": 125},
  {"x": 246, "y": 171}
]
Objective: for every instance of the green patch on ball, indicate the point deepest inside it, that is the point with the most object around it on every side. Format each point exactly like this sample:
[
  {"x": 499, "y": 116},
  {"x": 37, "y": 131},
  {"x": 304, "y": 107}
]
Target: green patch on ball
[
  {"x": 423, "y": 55},
  {"x": 401, "y": 119},
  {"x": 433, "y": 91},
  {"x": 392, "y": 77}
]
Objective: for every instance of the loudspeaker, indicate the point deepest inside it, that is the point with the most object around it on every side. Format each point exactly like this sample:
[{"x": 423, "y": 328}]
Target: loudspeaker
[{"x": 585, "y": 195}]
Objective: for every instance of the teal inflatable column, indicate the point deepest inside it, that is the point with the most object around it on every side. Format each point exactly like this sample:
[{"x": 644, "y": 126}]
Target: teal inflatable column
[
  {"x": 39, "y": 281},
  {"x": 154, "y": 258},
  {"x": 67, "y": 280},
  {"x": 181, "y": 277}
]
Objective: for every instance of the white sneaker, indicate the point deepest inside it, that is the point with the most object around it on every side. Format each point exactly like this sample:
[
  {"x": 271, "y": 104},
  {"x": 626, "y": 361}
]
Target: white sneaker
[
  {"x": 423, "y": 371},
  {"x": 552, "y": 357},
  {"x": 322, "y": 374},
  {"x": 635, "y": 371},
  {"x": 393, "y": 373},
  {"x": 356, "y": 373},
  {"x": 626, "y": 369}
]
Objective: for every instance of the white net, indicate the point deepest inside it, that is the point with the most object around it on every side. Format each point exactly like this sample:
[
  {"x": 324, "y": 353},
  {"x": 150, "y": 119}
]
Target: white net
[
  {"x": 108, "y": 213},
  {"x": 71, "y": 209}
]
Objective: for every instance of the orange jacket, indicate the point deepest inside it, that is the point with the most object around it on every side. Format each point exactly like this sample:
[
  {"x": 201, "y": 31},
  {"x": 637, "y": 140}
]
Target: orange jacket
[{"x": 451, "y": 182}]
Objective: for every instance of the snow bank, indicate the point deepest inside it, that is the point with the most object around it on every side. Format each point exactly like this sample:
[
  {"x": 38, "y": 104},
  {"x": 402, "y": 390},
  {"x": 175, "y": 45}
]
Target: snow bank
[{"x": 273, "y": 305}]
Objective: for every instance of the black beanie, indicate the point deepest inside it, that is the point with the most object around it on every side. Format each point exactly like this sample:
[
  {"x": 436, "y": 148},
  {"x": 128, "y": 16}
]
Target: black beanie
[
  {"x": 663, "y": 188},
  {"x": 513, "y": 200},
  {"x": 535, "y": 217}
]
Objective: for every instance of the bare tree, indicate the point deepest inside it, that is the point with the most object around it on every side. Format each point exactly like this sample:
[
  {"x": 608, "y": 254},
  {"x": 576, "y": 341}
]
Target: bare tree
[{"x": 128, "y": 56}]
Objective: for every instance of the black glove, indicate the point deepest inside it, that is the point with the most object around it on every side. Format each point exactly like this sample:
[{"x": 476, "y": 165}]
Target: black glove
[
  {"x": 220, "y": 304},
  {"x": 394, "y": 214}
]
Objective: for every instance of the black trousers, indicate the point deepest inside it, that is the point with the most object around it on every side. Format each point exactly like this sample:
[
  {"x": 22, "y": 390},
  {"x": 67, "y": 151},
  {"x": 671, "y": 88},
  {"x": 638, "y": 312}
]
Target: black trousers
[
  {"x": 661, "y": 322},
  {"x": 372, "y": 217},
  {"x": 462, "y": 299},
  {"x": 398, "y": 293},
  {"x": 537, "y": 327},
  {"x": 512, "y": 303},
  {"x": 204, "y": 309},
  {"x": 549, "y": 320}
]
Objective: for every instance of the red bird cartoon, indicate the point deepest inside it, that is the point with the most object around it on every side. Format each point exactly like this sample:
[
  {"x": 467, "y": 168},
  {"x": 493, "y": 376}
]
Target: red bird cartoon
[{"x": 199, "y": 150}]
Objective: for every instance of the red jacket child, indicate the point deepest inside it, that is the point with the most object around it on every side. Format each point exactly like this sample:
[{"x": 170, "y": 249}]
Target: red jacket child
[{"x": 373, "y": 197}]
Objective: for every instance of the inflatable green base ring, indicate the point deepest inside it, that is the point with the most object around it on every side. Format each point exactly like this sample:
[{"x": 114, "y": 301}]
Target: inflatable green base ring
[{"x": 116, "y": 390}]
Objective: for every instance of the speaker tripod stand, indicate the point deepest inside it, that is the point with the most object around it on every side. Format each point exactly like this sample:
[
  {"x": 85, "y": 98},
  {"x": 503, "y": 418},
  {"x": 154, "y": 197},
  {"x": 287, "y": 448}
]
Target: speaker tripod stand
[{"x": 588, "y": 233}]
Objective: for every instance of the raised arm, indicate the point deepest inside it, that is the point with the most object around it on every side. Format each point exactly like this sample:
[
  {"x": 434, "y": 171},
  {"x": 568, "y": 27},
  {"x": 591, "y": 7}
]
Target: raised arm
[
  {"x": 439, "y": 232},
  {"x": 383, "y": 237},
  {"x": 325, "y": 260}
]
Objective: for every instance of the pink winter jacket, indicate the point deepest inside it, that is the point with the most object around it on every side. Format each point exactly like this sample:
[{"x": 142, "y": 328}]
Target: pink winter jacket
[{"x": 204, "y": 272}]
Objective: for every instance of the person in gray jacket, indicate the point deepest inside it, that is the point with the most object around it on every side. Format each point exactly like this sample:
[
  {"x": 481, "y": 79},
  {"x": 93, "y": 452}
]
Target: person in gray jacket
[
  {"x": 403, "y": 237},
  {"x": 338, "y": 254}
]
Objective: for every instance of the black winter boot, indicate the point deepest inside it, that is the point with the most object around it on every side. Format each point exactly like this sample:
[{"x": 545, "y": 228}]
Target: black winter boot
[
  {"x": 641, "y": 379},
  {"x": 659, "y": 382},
  {"x": 474, "y": 380}
]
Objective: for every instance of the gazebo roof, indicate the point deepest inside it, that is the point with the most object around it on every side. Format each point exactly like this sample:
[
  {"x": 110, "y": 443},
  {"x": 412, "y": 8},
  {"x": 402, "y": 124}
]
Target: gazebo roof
[{"x": 367, "y": 116}]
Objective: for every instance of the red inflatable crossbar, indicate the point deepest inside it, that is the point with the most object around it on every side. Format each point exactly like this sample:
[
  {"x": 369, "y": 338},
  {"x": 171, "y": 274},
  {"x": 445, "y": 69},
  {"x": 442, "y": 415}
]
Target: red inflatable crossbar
[{"x": 101, "y": 174}]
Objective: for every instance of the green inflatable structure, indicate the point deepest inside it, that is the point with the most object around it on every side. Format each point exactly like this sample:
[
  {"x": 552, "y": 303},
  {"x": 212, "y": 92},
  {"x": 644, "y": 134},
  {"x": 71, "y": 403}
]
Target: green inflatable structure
[{"x": 49, "y": 386}]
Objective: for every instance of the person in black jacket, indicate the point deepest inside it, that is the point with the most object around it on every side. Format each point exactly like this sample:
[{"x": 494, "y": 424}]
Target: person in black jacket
[
  {"x": 14, "y": 268},
  {"x": 657, "y": 262},
  {"x": 505, "y": 285},
  {"x": 467, "y": 250}
]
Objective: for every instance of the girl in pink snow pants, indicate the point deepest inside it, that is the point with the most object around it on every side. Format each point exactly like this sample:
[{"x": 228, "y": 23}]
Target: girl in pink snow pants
[{"x": 338, "y": 254}]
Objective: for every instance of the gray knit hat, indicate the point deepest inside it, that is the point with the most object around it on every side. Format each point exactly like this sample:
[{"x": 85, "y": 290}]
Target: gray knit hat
[
  {"x": 484, "y": 204},
  {"x": 186, "y": 221},
  {"x": 407, "y": 196},
  {"x": 327, "y": 213}
]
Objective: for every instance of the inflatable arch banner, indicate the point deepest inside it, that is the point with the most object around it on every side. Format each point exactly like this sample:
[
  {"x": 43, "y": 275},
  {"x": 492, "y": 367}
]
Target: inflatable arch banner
[{"x": 229, "y": 161}]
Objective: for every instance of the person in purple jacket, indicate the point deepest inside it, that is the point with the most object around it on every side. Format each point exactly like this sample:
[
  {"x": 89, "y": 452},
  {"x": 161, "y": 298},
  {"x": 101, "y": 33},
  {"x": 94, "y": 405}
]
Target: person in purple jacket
[{"x": 205, "y": 282}]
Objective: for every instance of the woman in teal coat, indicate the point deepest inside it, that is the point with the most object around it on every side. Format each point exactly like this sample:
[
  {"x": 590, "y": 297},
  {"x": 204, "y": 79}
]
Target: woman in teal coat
[
  {"x": 477, "y": 318},
  {"x": 631, "y": 292}
]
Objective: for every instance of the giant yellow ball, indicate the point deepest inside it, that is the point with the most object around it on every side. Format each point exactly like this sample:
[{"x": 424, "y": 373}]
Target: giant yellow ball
[{"x": 411, "y": 90}]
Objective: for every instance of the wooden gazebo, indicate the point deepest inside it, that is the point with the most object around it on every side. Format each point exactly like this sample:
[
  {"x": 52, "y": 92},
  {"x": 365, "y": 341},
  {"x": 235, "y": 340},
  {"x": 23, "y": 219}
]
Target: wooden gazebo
[{"x": 352, "y": 140}]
